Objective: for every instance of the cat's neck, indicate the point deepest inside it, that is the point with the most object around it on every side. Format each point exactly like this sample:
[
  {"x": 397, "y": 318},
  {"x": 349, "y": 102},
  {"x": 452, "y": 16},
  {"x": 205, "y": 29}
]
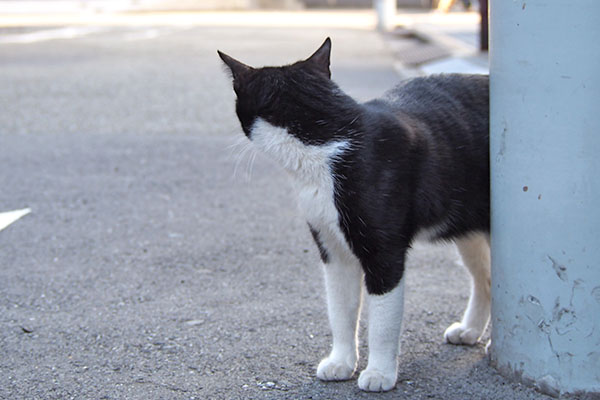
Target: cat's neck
[
  {"x": 320, "y": 113},
  {"x": 309, "y": 163}
]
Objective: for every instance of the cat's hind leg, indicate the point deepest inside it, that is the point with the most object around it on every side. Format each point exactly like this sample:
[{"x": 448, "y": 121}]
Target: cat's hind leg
[
  {"x": 343, "y": 283},
  {"x": 475, "y": 252}
]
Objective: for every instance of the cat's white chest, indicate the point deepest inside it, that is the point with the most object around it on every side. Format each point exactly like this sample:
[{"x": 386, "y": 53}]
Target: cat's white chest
[
  {"x": 310, "y": 167},
  {"x": 317, "y": 204}
]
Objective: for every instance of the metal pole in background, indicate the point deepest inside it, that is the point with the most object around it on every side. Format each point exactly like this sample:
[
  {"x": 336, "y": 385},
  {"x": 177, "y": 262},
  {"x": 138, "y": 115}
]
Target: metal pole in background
[
  {"x": 483, "y": 25},
  {"x": 545, "y": 174},
  {"x": 386, "y": 14}
]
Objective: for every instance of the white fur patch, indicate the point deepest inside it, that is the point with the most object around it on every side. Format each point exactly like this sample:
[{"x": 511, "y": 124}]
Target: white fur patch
[
  {"x": 385, "y": 325},
  {"x": 343, "y": 282},
  {"x": 430, "y": 233},
  {"x": 308, "y": 162},
  {"x": 310, "y": 168}
]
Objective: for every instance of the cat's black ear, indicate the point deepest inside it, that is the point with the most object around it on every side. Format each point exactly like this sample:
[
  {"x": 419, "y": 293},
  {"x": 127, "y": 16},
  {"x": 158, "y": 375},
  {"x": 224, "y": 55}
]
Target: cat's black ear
[
  {"x": 239, "y": 70},
  {"x": 320, "y": 58}
]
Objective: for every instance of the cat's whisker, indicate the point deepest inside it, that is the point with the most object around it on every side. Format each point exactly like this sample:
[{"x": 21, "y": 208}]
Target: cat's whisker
[
  {"x": 234, "y": 153},
  {"x": 239, "y": 143},
  {"x": 253, "y": 159},
  {"x": 246, "y": 147},
  {"x": 249, "y": 152},
  {"x": 240, "y": 160},
  {"x": 239, "y": 140}
]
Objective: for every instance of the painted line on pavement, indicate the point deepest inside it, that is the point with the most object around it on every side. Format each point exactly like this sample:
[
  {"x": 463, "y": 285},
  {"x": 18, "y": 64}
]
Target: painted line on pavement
[
  {"x": 7, "y": 218},
  {"x": 69, "y": 32}
]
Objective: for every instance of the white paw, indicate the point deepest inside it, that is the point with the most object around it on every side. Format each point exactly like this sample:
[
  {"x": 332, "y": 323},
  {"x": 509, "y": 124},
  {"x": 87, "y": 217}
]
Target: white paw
[
  {"x": 457, "y": 333},
  {"x": 376, "y": 381},
  {"x": 335, "y": 370}
]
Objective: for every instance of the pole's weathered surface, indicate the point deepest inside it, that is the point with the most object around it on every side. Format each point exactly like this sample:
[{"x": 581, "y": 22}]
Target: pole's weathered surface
[{"x": 545, "y": 166}]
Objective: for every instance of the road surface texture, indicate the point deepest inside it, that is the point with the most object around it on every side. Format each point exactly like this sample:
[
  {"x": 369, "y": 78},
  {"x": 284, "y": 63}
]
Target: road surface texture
[{"x": 162, "y": 261}]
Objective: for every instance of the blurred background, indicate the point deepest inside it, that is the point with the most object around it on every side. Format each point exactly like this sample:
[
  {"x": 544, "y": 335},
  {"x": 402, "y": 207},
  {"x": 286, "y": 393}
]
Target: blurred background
[
  {"x": 53, "y": 5},
  {"x": 159, "y": 256}
]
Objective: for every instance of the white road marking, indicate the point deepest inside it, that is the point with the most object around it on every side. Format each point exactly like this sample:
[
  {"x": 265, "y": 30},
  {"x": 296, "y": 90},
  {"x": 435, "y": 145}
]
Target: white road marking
[
  {"x": 69, "y": 32},
  {"x": 142, "y": 35},
  {"x": 74, "y": 32},
  {"x": 7, "y": 218}
]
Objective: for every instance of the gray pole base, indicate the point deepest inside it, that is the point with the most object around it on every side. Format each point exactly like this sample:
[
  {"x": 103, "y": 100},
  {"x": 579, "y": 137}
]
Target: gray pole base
[{"x": 545, "y": 193}]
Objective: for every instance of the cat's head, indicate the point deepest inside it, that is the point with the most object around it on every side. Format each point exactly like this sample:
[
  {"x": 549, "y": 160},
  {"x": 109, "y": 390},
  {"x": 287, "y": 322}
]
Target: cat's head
[{"x": 297, "y": 97}]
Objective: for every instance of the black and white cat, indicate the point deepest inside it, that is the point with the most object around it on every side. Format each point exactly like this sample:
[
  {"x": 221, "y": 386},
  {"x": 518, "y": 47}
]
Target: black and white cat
[{"x": 370, "y": 179}]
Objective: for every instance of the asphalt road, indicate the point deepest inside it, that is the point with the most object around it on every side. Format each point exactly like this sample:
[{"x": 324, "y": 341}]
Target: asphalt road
[{"x": 161, "y": 262}]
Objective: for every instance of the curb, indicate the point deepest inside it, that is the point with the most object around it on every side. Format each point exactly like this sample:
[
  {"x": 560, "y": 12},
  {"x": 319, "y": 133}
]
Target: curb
[{"x": 434, "y": 49}]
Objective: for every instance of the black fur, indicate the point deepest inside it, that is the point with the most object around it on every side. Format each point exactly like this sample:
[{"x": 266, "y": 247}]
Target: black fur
[
  {"x": 423, "y": 160},
  {"x": 419, "y": 156},
  {"x": 322, "y": 250}
]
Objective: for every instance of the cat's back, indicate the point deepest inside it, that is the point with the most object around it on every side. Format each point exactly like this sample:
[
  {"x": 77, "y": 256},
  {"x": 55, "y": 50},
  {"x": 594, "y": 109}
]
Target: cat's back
[{"x": 441, "y": 96}]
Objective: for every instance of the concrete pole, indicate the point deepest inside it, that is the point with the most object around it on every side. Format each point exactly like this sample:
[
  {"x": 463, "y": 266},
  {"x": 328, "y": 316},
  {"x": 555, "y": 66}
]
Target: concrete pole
[
  {"x": 386, "y": 14},
  {"x": 545, "y": 171}
]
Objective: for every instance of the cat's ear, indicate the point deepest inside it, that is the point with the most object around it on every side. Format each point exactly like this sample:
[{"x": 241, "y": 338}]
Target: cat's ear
[
  {"x": 239, "y": 70},
  {"x": 320, "y": 58}
]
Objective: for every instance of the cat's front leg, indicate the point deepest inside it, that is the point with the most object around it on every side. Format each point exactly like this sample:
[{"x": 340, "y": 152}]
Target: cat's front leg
[
  {"x": 385, "y": 323},
  {"x": 343, "y": 282}
]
